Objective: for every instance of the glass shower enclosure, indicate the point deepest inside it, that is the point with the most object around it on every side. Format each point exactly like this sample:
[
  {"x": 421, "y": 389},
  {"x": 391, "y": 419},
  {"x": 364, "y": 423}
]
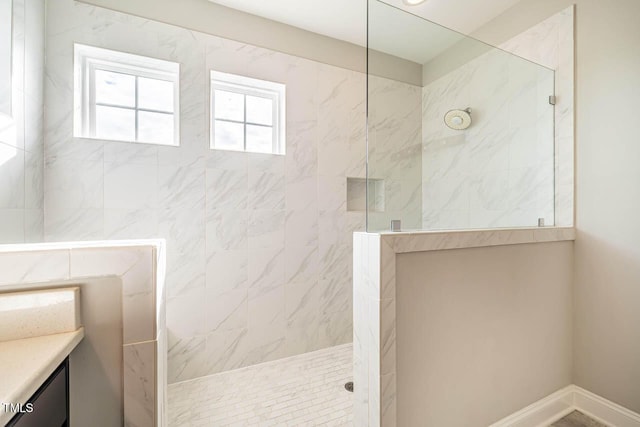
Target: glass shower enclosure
[{"x": 460, "y": 133}]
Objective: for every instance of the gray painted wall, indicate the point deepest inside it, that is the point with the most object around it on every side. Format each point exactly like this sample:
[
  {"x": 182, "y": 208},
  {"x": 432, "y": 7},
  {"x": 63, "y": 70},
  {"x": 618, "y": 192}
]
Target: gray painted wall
[
  {"x": 607, "y": 254},
  {"x": 485, "y": 330}
]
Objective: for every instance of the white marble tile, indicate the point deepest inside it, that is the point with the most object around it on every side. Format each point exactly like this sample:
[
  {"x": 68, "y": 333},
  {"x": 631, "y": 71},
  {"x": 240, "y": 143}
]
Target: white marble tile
[
  {"x": 229, "y": 229},
  {"x": 227, "y": 160},
  {"x": 134, "y": 265},
  {"x": 303, "y": 338},
  {"x": 303, "y": 263},
  {"x": 233, "y": 221},
  {"x": 128, "y": 153},
  {"x": 184, "y": 229},
  {"x": 130, "y": 223},
  {"x": 139, "y": 365},
  {"x": 301, "y": 227},
  {"x": 226, "y": 310},
  {"x": 266, "y": 228},
  {"x": 302, "y": 194},
  {"x": 33, "y": 181},
  {"x": 266, "y": 308},
  {"x": 387, "y": 260},
  {"x": 332, "y": 228},
  {"x": 135, "y": 268},
  {"x": 181, "y": 187},
  {"x": 335, "y": 328},
  {"x": 335, "y": 261},
  {"x": 63, "y": 224},
  {"x": 258, "y": 163},
  {"x": 332, "y": 193},
  {"x": 12, "y": 171},
  {"x": 130, "y": 186},
  {"x": 227, "y": 270},
  {"x": 266, "y": 268},
  {"x": 188, "y": 358},
  {"x": 336, "y": 295},
  {"x": 226, "y": 350},
  {"x": 12, "y": 225},
  {"x": 438, "y": 240},
  {"x": 389, "y": 399},
  {"x": 266, "y": 344},
  {"x": 184, "y": 156},
  {"x": 34, "y": 267},
  {"x": 387, "y": 336},
  {"x": 300, "y": 304},
  {"x": 490, "y": 147},
  {"x": 227, "y": 189},
  {"x": 360, "y": 395},
  {"x": 186, "y": 314},
  {"x": 301, "y": 160},
  {"x": 226, "y": 55},
  {"x": 186, "y": 267},
  {"x": 266, "y": 191}
]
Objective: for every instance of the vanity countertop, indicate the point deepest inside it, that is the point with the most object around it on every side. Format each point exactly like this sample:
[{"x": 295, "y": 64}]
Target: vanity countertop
[{"x": 26, "y": 363}]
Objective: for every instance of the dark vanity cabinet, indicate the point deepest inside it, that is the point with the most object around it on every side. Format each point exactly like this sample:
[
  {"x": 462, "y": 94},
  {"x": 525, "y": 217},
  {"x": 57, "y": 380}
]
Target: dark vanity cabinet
[{"x": 49, "y": 406}]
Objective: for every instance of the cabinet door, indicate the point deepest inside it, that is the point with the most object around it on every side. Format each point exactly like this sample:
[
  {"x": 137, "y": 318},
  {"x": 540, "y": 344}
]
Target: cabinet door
[{"x": 49, "y": 403}]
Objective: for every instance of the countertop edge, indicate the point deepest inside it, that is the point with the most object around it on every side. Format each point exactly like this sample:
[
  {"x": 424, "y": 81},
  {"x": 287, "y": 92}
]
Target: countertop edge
[{"x": 38, "y": 374}]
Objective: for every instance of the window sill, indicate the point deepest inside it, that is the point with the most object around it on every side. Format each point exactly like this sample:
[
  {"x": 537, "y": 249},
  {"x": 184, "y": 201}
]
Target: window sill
[
  {"x": 246, "y": 152},
  {"x": 94, "y": 139}
]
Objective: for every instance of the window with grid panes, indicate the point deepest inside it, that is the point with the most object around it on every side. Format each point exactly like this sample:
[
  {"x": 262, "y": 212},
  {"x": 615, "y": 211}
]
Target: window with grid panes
[
  {"x": 247, "y": 114},
  {"x": 125, "y": 97}
]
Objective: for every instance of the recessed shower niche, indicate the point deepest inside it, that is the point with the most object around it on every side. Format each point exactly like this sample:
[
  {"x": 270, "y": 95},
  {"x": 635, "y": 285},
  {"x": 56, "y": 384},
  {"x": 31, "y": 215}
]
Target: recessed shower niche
[{"x": 357, "y": 189}]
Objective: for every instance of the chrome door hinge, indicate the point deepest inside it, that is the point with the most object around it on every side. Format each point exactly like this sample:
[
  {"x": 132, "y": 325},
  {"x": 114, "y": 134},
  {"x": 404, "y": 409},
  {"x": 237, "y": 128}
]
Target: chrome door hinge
[{"x": 552, "y": 99}]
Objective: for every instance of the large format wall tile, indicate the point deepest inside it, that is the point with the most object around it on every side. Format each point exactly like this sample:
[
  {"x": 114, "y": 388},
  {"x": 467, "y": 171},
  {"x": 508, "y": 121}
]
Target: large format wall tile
[
  {"x": 139, "y": 384},
  {"x": 514, "y": 165},
  {"x": 258, "y": 245}
]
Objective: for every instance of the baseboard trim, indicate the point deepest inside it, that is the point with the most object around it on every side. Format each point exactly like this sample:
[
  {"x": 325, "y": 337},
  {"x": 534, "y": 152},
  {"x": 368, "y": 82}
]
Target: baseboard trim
[
  {"x": 555, "y": 406},
  {"x": 604, "y": 410}
]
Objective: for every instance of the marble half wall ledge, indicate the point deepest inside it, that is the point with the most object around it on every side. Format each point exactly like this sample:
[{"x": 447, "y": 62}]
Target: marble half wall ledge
[
  {"x": 141, "y": 267},
  {"x": 419, "y": 241}
]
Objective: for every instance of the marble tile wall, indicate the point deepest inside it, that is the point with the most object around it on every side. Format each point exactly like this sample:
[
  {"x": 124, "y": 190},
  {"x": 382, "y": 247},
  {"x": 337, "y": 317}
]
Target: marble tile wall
[
  {"x": 21, "y": 136},
  {"x": 551, "y": 43},
  {"x": 395, "y": 147},
  {"x": 498, "y": 172},
  {"x": 259, "y": 246},
  {"x": 501, "y": 171},
  {"x": 374, "y": 330}
]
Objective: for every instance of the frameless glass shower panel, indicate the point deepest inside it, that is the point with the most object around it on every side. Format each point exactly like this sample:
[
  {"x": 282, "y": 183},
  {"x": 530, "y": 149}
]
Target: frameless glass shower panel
[{"x": 460, "y": 133}]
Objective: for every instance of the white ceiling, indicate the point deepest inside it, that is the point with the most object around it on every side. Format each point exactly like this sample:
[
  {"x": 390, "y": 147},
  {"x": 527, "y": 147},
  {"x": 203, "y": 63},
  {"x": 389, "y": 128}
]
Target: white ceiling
[{"x": 345, "y": 20}]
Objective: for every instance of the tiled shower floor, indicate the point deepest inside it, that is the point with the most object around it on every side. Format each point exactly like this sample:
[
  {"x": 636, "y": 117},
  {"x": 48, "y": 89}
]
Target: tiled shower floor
[{"x": 304, "y": 390}]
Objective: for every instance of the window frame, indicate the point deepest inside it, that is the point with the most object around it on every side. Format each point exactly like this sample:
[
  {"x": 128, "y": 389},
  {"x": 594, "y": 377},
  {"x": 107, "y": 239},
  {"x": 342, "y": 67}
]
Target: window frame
[
  {"x": 247, "y": 86},
  {"x": 90, "y": 59}
]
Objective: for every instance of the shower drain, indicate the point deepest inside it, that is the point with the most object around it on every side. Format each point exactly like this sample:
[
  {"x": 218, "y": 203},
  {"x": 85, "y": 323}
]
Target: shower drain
[{"x": 349, "y": 386}]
